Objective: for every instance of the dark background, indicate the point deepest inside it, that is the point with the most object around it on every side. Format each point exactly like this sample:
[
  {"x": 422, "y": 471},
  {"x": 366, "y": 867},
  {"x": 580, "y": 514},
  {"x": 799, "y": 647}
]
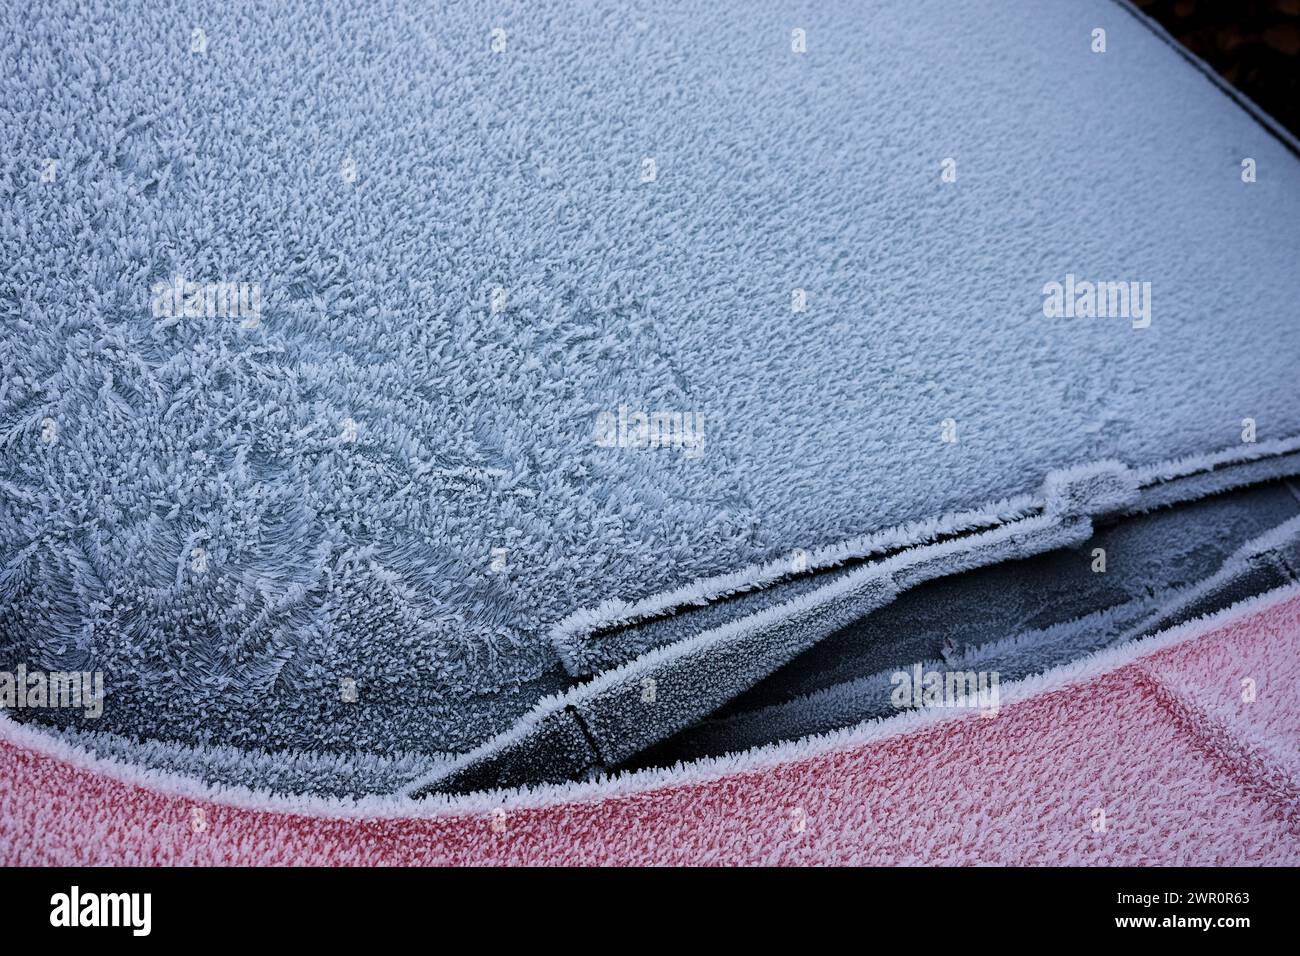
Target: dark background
[{"x": 1253, "y": 44}]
